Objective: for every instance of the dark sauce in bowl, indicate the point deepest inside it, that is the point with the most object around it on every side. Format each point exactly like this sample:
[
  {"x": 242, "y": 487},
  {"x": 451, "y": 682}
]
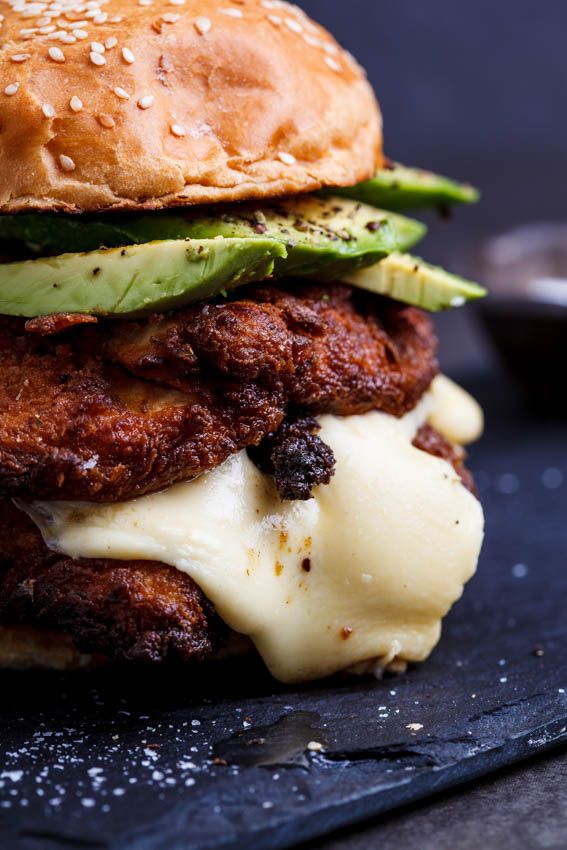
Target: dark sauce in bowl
[{"x": 526, "y": 312}]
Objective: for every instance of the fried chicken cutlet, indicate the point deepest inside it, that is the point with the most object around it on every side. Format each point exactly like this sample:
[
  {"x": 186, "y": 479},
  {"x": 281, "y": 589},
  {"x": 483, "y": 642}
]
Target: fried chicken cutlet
[{"x": 115, "y": 410}]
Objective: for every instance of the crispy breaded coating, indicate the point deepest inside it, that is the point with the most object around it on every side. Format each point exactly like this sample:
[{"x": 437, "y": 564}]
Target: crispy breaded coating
[
  {"x": 124, "y": 610},
  {"x": 296, "y": 457},
  {"x": 326, "y": 349},
  {"x": 115, "y": 410}
]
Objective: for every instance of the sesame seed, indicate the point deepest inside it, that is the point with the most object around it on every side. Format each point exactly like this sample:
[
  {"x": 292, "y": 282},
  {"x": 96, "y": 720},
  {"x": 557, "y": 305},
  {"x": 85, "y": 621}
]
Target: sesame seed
[
  {"x": 312, "y": 40},
  {"x": 76, "y": 104},
  {"x": 144, "y": 2},
  {"x": 11, "y": 89},
  {"x": 66, "y": 163},
  {"x": 97, "y": 47},
  {"x": 20, "y": 57},
  {"x": 203, "y": 25},
  {"x": 111, "y": 42},
  {"x": 67, "y": 39},
  {"x": 146, "y": 102},
  {"x": 232, "y": 13},
  {"x": 47, "y": 29},
  {"x": 286, "y": 158},
  {"x": 100, "y": 19},
  {"x": 333, "y": 64},
  {"x": 331, "y": 48},
  {"x": 41, "y": 22},
  {"x": 177, "y": 2},
  {"x": 48, "y": 110},
  {"x": 170, "y": 17},
  {"x": 97, "y": 59},
  {"x": 178, "y": 130},
  {"x": 116, "y": 19},
  {"x": 56, "y": 54},
  {"x": 28, "y": 31},
  {"x": 275, "y": 20},
  {"x": 293, "y": 25},
  {"x": 81, "y": 34},
  {"x": 119, "y": 92},
  {"x": 106, "y": 120},
  {"x": 128, "y": 56}
]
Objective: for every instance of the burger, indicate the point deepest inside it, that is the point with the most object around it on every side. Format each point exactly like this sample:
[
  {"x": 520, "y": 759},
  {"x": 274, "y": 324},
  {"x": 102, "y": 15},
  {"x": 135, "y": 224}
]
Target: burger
[{"x": 222, "y": 423}]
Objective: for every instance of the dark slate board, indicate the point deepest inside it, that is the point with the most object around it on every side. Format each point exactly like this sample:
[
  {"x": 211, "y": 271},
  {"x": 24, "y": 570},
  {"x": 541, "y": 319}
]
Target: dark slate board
[{"x": 109, "y": 761}]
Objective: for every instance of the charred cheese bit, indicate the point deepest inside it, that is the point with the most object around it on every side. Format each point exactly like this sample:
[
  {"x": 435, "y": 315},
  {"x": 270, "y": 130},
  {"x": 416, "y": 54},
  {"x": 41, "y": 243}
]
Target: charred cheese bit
[{"x": 389, "y": 542}]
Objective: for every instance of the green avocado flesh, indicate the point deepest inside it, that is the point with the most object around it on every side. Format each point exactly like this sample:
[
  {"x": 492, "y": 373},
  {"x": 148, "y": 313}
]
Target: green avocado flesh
[
  {"x": 402, "y": 188},
  {"x": 316, "y": 231},
  {"x": 135, "y": 279},
  {"x": 157, "y": 261},
  {"x": 413, "y": 281}
]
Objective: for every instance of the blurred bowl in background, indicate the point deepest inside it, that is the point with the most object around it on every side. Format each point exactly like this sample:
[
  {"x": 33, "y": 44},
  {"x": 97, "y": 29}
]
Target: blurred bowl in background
[{"x": 526, "y": 311}]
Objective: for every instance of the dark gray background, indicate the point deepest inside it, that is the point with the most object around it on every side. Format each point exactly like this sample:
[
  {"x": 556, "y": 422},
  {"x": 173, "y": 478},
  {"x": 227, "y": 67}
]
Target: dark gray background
[{"x": 477, "y": 90}]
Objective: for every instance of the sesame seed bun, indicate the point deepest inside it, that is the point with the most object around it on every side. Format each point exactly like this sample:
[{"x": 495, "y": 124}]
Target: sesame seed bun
[{"x": 133, "y": 104}]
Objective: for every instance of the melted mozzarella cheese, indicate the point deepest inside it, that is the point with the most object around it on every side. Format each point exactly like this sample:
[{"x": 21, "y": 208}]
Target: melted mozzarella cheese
[
  {"x": 455, "y": 413},
  {"x": 364, "y": 570}
]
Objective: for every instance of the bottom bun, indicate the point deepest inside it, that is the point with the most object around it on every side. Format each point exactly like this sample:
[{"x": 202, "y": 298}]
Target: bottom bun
[
  {"x": 29, "y": 648},
  {"x": 26, "y": 648}
]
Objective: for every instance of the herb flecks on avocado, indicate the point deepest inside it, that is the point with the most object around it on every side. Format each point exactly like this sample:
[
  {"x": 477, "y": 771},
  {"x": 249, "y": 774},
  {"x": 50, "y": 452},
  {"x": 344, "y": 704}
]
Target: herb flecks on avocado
[
  {"x": 315, "y": 231},
  {"x": 156, "y": 262},
  {"x": 136, "y": 279},
  {"x": 136, "y": 264}
]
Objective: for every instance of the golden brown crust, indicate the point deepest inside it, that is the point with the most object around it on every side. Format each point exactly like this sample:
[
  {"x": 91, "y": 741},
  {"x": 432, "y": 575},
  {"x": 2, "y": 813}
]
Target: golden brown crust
[
  {"x": 115, "y": 410},
  {"x": 244, "y": 99},
  {"x": 136, "y": 611}
]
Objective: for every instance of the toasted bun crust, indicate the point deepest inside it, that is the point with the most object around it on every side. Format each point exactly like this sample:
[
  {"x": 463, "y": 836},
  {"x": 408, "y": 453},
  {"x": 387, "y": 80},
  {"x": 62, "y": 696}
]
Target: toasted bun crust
[
  {"x": 28, "y": 647},
  {"x": 25, "y": 648},
  {"x": 131, "y": 106}
]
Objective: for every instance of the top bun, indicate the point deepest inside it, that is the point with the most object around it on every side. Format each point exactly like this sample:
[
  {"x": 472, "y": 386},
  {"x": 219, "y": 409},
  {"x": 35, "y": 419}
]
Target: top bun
[{"x": 133, "y": 104}]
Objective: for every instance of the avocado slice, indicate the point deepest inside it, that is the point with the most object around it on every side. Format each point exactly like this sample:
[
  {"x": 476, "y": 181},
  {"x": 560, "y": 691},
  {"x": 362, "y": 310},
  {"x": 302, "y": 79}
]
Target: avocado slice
[
  {"x": 160, "y": 261},
  {"x": 331, "y": 234},
  {"x": 402, "y": 188},
  {"x": 315, "y": 231},
  {"x": 413, "y": 281},
  {"x": 136, "y": 279}
]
